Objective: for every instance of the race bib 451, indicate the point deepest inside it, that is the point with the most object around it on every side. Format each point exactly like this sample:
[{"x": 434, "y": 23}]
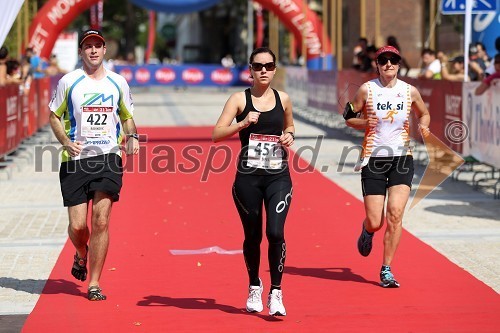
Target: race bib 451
[{"x": 265, "y": 151}]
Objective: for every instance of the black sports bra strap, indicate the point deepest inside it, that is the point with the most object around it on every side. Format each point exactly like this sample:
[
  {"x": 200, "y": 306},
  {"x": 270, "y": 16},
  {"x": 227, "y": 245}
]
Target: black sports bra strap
[
  {"x": 278, "y": 99},
  {"x": 248, "y": 97}
]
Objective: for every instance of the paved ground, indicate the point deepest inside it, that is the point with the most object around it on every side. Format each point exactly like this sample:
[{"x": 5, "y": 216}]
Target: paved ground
[{"x": 461, "y": 223}]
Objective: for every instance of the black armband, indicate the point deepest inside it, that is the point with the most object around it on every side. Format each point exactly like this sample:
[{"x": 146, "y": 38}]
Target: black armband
[{"x": 349, "y": 112}]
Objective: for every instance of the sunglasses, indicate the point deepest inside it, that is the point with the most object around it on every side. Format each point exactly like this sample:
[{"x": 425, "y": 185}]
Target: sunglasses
[
  {"x": 257, "y": 66},
  {"x": 384, "y": 60}
]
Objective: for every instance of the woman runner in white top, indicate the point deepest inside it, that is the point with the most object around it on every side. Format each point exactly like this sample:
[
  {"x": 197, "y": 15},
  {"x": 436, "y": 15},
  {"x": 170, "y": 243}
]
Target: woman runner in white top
[{"x": 387, "y": 165}]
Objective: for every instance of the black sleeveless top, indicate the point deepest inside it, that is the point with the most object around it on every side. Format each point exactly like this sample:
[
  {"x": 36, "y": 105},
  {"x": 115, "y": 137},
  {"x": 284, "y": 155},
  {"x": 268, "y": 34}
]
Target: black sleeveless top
[{"x": 271, "y": 123}]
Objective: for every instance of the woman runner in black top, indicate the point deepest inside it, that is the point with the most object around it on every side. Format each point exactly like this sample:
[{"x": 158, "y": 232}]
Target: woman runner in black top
[{"x": 264, "y": 121}]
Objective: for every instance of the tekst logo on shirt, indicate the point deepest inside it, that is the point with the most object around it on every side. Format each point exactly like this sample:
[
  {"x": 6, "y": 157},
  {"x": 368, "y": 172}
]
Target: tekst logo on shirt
[
  {"x": 127, "y": 74},
  {"x": 142, "y": 75},
  {"x": 192, "y": 75},
  {"x": 221, "y": 76},
  {"x": 165, "y": 75},
  {"x": 388, "y": 106}
]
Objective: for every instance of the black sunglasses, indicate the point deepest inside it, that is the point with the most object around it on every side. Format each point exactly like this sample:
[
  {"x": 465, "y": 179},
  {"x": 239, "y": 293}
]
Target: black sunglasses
[
  {"x": 257, "y": 66},
  {"x": 383, "y": 60}
]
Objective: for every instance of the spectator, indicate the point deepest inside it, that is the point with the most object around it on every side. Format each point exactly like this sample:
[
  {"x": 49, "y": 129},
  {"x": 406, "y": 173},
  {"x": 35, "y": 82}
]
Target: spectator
[
  {"x": 361, "y": 61},
  {"x": 482, "y": 54},
  {"x": 491, "y": 79},
  {"x": 476, "y": 65},
  {"x": 26, "y": 73},
  {"x": 403, "y": 64},
  {"x": 491, "y": 68},
  {"x": 431, "y": 67},
  {"x": 9, "y": 69},
  {"x": 457, "y": 72},
  {"x": 371, "y": 53},
  {"x": 35, "y": 63},
  {"x": 4, "y": 53},
  {"x": 14, "y": 71},
  {"x": 53, "y": 67},
  {"x": 227, "y": 61}
]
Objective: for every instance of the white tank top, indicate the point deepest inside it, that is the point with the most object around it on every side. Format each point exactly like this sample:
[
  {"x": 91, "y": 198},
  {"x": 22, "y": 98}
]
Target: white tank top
[{"x": 392, "y": 107}]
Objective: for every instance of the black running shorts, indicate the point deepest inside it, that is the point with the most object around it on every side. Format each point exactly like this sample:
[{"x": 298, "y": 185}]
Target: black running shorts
[
  {"x": 383, "y": 172},
  {"x": 80, "y": 179}
]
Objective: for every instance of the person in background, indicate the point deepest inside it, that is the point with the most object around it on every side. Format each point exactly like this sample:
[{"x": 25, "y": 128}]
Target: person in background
[
  {"x": 404, "y": 67},
  {"x": 371, "y": 51},
  {"x": 10, "y": 71},
  {"x": 53, "y": 68},
  {"x": 4, "y": 53},
  {"x": 491, "y": 79},
  {"x": 361, "y": 61},
  {"x": 491, "y": 68},
  {"x": 482, "y": 53},
  {"x": 476, "y": 65},
  {"x": 431, "y": 66},
  {"x": 264, "y": 122},
  {"x": 14, "y": 72},
  {"x": 36, "y": 63},
  {"x": 227, "y": 62},
  {"x": 457, "y": 71}
]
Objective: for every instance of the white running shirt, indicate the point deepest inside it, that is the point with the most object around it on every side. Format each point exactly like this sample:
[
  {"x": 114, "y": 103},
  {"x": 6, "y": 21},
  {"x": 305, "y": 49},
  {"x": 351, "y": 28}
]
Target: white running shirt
[
  {"x": 392, "y": 107},
  {"x": 92, "y": 111}
]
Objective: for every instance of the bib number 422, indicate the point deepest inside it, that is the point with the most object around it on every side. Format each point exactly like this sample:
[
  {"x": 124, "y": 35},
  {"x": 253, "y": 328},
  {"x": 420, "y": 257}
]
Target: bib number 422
[{"x": 97, "y": 119}]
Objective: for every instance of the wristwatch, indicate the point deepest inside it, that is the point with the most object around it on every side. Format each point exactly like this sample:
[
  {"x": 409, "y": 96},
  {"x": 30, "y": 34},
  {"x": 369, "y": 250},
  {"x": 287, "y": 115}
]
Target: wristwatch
[{"x": 133, "y": 135}]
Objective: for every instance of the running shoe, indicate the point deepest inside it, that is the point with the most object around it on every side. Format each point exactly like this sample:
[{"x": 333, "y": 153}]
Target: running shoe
[
  {"x": 254, "y": 301},
  {"x": 387, "y": 279},
  {"x": 275, "y": 303},
  {"x": 365, "y": 242}
]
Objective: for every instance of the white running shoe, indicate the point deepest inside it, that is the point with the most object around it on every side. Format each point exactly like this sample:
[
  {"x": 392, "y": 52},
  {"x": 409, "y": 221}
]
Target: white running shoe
[
  {"x": 254, "y": 301},
  {"x": 275, "y": 303}
]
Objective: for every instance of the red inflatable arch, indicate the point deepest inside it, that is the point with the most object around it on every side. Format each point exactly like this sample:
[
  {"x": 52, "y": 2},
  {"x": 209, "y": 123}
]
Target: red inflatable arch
[{"x": 55, "y": 15}]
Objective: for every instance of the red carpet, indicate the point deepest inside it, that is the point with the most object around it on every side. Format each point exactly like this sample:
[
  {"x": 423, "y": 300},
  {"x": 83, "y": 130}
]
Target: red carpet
[{"x": 328, "y": 286}]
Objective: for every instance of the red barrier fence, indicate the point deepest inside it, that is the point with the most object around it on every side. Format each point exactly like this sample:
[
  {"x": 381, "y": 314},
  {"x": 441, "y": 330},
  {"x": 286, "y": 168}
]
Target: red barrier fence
[{"x": 22, "y": 114}]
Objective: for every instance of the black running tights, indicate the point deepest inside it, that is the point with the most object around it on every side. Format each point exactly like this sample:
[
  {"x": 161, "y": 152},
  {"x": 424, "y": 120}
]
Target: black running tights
[{"x": 250, "y": 192}]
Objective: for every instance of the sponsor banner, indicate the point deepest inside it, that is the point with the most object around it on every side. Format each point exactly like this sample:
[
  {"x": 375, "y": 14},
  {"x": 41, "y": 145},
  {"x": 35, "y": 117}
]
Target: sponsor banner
[
  {"x": 482, "y": 117},
  {"x": 296, "y": 84},
  {"x": 348, "y": 82},
  {"x": 50, "y": 20},
  {"x": 485, "y": 29},
  {"x": 184, "y": 75},
  {"x": 444, "y": 102},
  {"x": 3, "y": 121},
  {"x": 30, "y": 112},
  {"x": 10, "y": 115},
  {"x": 303, "y": 23},
  {"x": 42, "y": 103},
  {"x": 322, "y": 90},
  {"x": 22, "y": 115}
]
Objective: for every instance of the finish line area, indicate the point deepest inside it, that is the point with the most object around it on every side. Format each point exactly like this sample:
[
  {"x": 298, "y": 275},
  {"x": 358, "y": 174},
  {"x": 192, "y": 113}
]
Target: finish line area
[{"x": 327, "y": 285}]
